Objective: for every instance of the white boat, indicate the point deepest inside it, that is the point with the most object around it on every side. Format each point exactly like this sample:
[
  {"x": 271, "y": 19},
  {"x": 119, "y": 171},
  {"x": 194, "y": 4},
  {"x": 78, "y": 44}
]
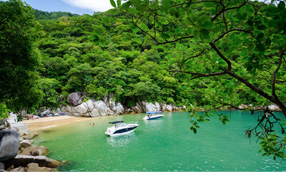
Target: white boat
[
  {"x": 153, "y": 115},
  {"x": 120, "y": 128}
]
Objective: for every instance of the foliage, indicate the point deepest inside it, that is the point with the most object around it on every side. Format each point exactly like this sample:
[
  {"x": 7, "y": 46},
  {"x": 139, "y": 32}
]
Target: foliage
[
  {"x": 19, "y": 59},
  {"x": 127, "y": 69}
]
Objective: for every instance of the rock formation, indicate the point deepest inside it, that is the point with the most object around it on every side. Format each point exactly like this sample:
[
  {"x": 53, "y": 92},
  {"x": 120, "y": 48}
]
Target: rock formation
[
  {"x": 107, "y": 106},
  {"x": 75, "y": 99},
  {"x": 9, "y": 144}
]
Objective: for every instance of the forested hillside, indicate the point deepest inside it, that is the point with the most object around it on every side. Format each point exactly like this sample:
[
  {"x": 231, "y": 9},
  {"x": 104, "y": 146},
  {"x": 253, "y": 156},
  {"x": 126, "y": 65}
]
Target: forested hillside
[{"x": 130, "y": 69}]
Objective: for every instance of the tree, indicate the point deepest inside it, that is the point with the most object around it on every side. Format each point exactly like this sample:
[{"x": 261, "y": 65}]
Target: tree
[
  {"x": 239, "y": 45},
  {"x": 19, "y": 61}
]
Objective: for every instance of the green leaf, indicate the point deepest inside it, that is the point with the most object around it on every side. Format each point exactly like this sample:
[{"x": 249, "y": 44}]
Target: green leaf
[
  {"x": 144, "y": 27},
  {"x": 272, "y": 9},
  {"x": 260, "y": 36},
  {"x": 268, "y": 42},
  {"x": 113, "y": 3},
  {"x": 281, "y": 5},
  {"x": 261, "y": 27},
  {"x": 208, "y": 25},
  {"x": 126, "y": 5},
  {"x": 204, "y": 33},
  {"x": 260, "y": 47},
  {"x": 195, "y": 130},
  {"x": 173, "y": 12},
  {"x": 97, "y": 33},
  {"x": 102, "y": 43},
  {"x": 250, "y": 22},
  {"x": 165, "y": 35},
  {"x": 137, "y": 40},
  {"x": 119, "y": 3},
  {"x": 92, "y": 37}
]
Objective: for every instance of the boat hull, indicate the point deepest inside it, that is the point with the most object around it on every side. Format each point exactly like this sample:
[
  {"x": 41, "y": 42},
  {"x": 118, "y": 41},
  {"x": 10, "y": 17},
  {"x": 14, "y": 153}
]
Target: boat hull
[
  {"x": 152, "y": 117},
  {"x": 113, "y": 131}
]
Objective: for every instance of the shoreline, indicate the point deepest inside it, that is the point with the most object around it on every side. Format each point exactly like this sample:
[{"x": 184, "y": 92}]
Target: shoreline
[{"x": 34, "y": 125}]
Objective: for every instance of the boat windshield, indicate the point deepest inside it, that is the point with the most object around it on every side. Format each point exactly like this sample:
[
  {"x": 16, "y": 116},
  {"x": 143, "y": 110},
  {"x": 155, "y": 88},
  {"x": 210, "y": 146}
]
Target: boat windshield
[
  {"x": 150, "y": 113},
  {"x": 116, "y": 122}
]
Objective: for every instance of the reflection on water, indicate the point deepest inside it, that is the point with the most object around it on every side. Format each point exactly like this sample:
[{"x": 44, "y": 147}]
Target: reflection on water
[{"x": 121, "y": 141}]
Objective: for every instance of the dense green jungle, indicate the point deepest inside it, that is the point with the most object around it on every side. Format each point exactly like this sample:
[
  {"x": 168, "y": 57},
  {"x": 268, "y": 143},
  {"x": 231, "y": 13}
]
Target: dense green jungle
[
  {"x": 130, "y": 69},
  {"x": 208, "y": 54}
]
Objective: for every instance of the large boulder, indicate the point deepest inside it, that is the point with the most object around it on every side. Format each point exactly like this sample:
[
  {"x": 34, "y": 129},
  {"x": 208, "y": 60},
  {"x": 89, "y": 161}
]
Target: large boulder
[
  {"x": 9, "y": 144},
  {"x": 75, "y": 99},
  {"x": 81, "y": 109},
  {"x": 150, "y": 107},
  {"x": 34, "y": 150},
  {"x": 32, "y": 167},
  {"x": 140, "y": 107},
  {"x": 29, "y": 136},
  {"x": 118, "y": 108},
  {"x": 89, "y": 105},
  {"x": 274, "y": 108},
  {"x": 94, "y": 113},
  {"x": 45, "y": 113},
  {"x": 26, "y": 143},
  {"x": 102, "y": 108},
  {"x": 167, "y": 108},
  {"x": 67, "y": 109}
]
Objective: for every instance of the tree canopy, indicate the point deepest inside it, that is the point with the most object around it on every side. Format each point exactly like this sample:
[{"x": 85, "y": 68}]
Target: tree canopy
[{"x": 19, "y": 59}]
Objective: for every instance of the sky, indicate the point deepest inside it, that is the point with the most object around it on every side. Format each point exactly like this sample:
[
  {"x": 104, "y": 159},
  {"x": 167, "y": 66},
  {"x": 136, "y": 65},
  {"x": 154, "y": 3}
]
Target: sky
[{"x": 73, "y": 6}]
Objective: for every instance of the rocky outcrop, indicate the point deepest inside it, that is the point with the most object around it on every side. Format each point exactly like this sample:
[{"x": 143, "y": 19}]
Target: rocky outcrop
[
  {"x": 107, "y": 106},
  {"x": 94, "y": 108},
  {"x": 30, "y": 157},
  {"x": 167, "y": 108},
  {"x": 26, "y": 143},
  {"x": 34, "y": 150},
  {"x": 274, "y": 108},
  {"x": 75, "y": 99},
  {"x": 150, "y": 107},
  {"x": 32, "y": 167},
  {"x": 24, "y": 160},
  {"x": 9, "y": 144}
]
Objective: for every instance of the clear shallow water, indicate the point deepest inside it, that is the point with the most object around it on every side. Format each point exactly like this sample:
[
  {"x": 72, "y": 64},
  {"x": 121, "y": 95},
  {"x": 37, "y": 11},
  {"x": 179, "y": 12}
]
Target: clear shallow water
[{"x": 159, "y": 145}]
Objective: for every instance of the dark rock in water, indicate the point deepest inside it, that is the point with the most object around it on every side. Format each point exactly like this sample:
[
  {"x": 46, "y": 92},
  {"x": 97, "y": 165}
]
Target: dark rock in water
[
  {"x": 75, "y": 99},
  {"x": 9, "y": 144},
  {"x": 24, "y": 160}
]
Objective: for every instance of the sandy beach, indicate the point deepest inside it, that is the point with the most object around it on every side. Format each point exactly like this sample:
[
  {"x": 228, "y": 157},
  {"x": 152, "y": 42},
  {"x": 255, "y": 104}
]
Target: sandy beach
[{"x": 49, "y": 122}]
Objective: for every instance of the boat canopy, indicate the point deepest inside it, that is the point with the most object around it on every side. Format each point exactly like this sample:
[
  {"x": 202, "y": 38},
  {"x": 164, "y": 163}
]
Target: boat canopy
[
  {"x": 154, "y": 112},
  {"x": 115, "y": 122}
]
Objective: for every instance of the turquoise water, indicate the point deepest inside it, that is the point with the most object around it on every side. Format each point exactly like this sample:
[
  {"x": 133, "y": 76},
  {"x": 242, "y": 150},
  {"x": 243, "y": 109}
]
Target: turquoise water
[{"x": 165, "y": 144}]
